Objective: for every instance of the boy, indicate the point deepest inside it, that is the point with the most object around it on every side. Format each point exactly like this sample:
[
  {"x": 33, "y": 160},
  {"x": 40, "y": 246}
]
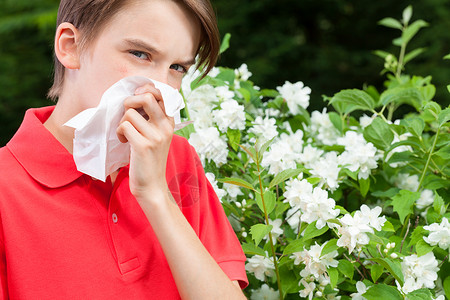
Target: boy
[{"x": 64, "y": 235}]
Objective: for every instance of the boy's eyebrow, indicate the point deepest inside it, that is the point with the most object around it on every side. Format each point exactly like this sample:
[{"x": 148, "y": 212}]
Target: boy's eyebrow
[{"x": 140, "y": 44}]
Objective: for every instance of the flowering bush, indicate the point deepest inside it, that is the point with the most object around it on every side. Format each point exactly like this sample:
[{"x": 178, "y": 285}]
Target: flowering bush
[{"x": 338, "y": 204}]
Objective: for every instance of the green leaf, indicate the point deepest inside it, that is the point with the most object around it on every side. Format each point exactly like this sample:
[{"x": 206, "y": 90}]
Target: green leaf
[
  {"x": 237, "y": 181},
  {"x": 251, "y": 249},
  {"x": 234, "y": 138},
  {"x": 388, "y": 194},
  {"x": 438, "y": 204},
  {"x": 403, "y": 203},
  {"x": 382, "y": 291},
  {"x": 413, "y": 54},
  {"x": 379, "y": 134},
  {"x": 364, "y": 185},
  {"x": 444, "y": 116},
  {"x": 336, "y": 120},
  {"x": 346, "y": 268},
  {"x": 283, "y": 176},
  {"x": 269, "y": 201},
  {"x": 393, "y": 267},
  {"x": 259, "y": 231},
  {"x": 329, "y": 247},
  {"x": 423, "y": 248},
  {"x": 407, "y": 14},
  {"x": 414, "y": 125},
  {"x": 264, "y": 148},
  {"x": 376, "y": 271},
  {"x": 382, "y": 54},
  {"x": 412, "y": 29},
  {"x": 388, "y": 227},
  {"x": 421, "y": 294},
  {"x": 353, "y": 100},
  {"x": 391, "y": 23},
  {"x": 294, "y": 246},
  {"x": 446, "y": 285},
  {"x": 334, "y": 276},
  {"x": 225, "y": 43},
  {"x": 400, "y": 95},
  {"x": 186, "y": 131},
  {"x": 417, "y": 235},
  {"x": 311, "y": 231}
]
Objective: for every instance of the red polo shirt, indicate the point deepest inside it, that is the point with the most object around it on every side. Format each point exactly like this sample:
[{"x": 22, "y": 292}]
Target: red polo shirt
[{"x": 66, "y": 236}]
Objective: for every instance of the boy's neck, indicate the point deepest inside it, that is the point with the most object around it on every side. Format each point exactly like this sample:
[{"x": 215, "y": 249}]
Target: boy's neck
[{"x": 55, "y": 124}]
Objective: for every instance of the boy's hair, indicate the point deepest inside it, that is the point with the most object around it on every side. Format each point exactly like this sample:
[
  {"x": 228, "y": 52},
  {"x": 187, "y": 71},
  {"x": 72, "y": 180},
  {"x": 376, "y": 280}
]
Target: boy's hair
[{"x": 91, "y": 16}]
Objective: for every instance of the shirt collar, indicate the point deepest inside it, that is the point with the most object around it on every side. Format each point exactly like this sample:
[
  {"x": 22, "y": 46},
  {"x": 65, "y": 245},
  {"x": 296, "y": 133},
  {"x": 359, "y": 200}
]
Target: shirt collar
[{"x": 40, "y": 153}]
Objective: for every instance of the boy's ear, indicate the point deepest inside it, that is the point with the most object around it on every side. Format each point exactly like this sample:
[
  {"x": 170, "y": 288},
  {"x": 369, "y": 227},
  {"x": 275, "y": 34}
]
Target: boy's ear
[{"x": 67, "y": 48}]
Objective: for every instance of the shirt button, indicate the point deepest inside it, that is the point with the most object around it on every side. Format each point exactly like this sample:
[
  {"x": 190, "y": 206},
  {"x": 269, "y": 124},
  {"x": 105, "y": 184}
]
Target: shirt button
[{"x": 114, "y": 218}]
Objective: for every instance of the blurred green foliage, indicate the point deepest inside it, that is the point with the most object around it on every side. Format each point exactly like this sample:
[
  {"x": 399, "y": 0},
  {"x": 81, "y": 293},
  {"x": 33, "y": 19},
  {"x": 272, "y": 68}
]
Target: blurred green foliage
[{"x": 327, "y": 44}]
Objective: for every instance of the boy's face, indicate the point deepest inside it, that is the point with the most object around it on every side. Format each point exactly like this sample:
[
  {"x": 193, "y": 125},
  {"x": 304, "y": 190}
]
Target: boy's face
[{"x": 155, "y": 38}]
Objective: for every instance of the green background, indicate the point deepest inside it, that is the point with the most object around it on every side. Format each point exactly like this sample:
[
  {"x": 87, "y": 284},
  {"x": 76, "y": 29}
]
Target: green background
[{"x": 327, "y": 44}]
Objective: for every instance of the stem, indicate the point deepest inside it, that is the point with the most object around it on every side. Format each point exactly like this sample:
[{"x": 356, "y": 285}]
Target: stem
[
  {"x": 186, "y": 110},
  {"x": 391, "y": 110},
  {"x": 400, "y": 61},
  {"x": 428, "y": 160},
  {"x": 407, "y": 231},
  {"x": 275, "y": 261}
]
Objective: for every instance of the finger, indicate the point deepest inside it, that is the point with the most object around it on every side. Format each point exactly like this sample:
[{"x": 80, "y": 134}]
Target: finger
[
  {"x": 147, "y": 105},
  {"x": 150, "y": 88},
  {"x": 149, "y": 130}
]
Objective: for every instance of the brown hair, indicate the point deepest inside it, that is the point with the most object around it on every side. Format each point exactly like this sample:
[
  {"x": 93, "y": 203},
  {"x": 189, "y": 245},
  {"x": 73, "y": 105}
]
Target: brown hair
[{"x": 91, "y": 16}]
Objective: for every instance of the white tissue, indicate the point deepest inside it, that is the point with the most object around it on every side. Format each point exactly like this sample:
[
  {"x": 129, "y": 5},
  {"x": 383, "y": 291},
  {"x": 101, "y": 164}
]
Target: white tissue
[{"x": 97, "y": 150}]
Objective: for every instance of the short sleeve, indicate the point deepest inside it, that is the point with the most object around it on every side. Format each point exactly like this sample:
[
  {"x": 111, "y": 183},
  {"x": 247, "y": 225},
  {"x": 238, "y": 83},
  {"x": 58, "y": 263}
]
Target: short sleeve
[{"x": 203, "y": 210}]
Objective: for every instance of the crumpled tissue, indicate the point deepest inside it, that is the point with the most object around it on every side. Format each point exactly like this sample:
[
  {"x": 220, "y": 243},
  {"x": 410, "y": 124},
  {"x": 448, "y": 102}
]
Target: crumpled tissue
[{"x": 97, "y": 150}]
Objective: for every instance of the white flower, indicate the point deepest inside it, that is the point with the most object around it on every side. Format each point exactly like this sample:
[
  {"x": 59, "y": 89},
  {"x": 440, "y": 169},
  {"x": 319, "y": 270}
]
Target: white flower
[
  {"x": 283, "y": 153},
  {"x": 232, "y": 190},
  {"x": 425, "y": 200},
  {"x": 327, "y": 169},
  {"x": 318, "y": 207},
  {"x": 200, "y": 105},
  {"x": 314, "y": 204},
  {"x": 276, "y": 230},
  {"x": 308, "y": 290},
  {"x": 209, "y": 145},
  {"x": 212, "y": 179},
  {"x": 296, "y": 95},
  {"x": 309, "y": 155},
  {"x": 372, "y": 216},
  {"x": 264, "y": 129},
  {"x": 224, "y": 92},
  {"x": 353, "y": 231},
  {"x": 361, "y": 288},
  {"x": 192, "y": 74},
  {"x": 242, "y": 72},
  {"x": 260, "y": 266},
  {"x": 322, "y": 128},
  {"x": 315, "y": 264},
  {"x": 406, "y": 182},
  {"x": 358, "y": 155},
  {"x": 265, "y": 293},
  {"x": 230, "y": 115},
  {"x": 296, "y": 190},
  {"x": 439, "y": 234},
  {"x": 419, "y": 272},
  {"x": 365, "y": 120},
  {"x": 294, "y": 218}
]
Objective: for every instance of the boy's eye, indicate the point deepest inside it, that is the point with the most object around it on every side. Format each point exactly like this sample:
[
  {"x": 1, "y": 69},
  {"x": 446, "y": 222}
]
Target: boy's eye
[
  {"x": 139, "y": 54},
  {"x": 178, "y": 68}
]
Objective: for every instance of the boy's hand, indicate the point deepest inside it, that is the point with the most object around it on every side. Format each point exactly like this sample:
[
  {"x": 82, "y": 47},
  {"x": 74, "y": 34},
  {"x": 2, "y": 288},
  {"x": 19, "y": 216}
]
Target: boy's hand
[{"x": 149, "y": 131}]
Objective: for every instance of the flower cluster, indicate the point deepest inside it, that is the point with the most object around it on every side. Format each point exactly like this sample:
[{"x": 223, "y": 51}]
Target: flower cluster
[
  {"x": 354, "y": 229},
  {"x": 313, "y": 204},
  {"x": 327, "y": 205}
]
